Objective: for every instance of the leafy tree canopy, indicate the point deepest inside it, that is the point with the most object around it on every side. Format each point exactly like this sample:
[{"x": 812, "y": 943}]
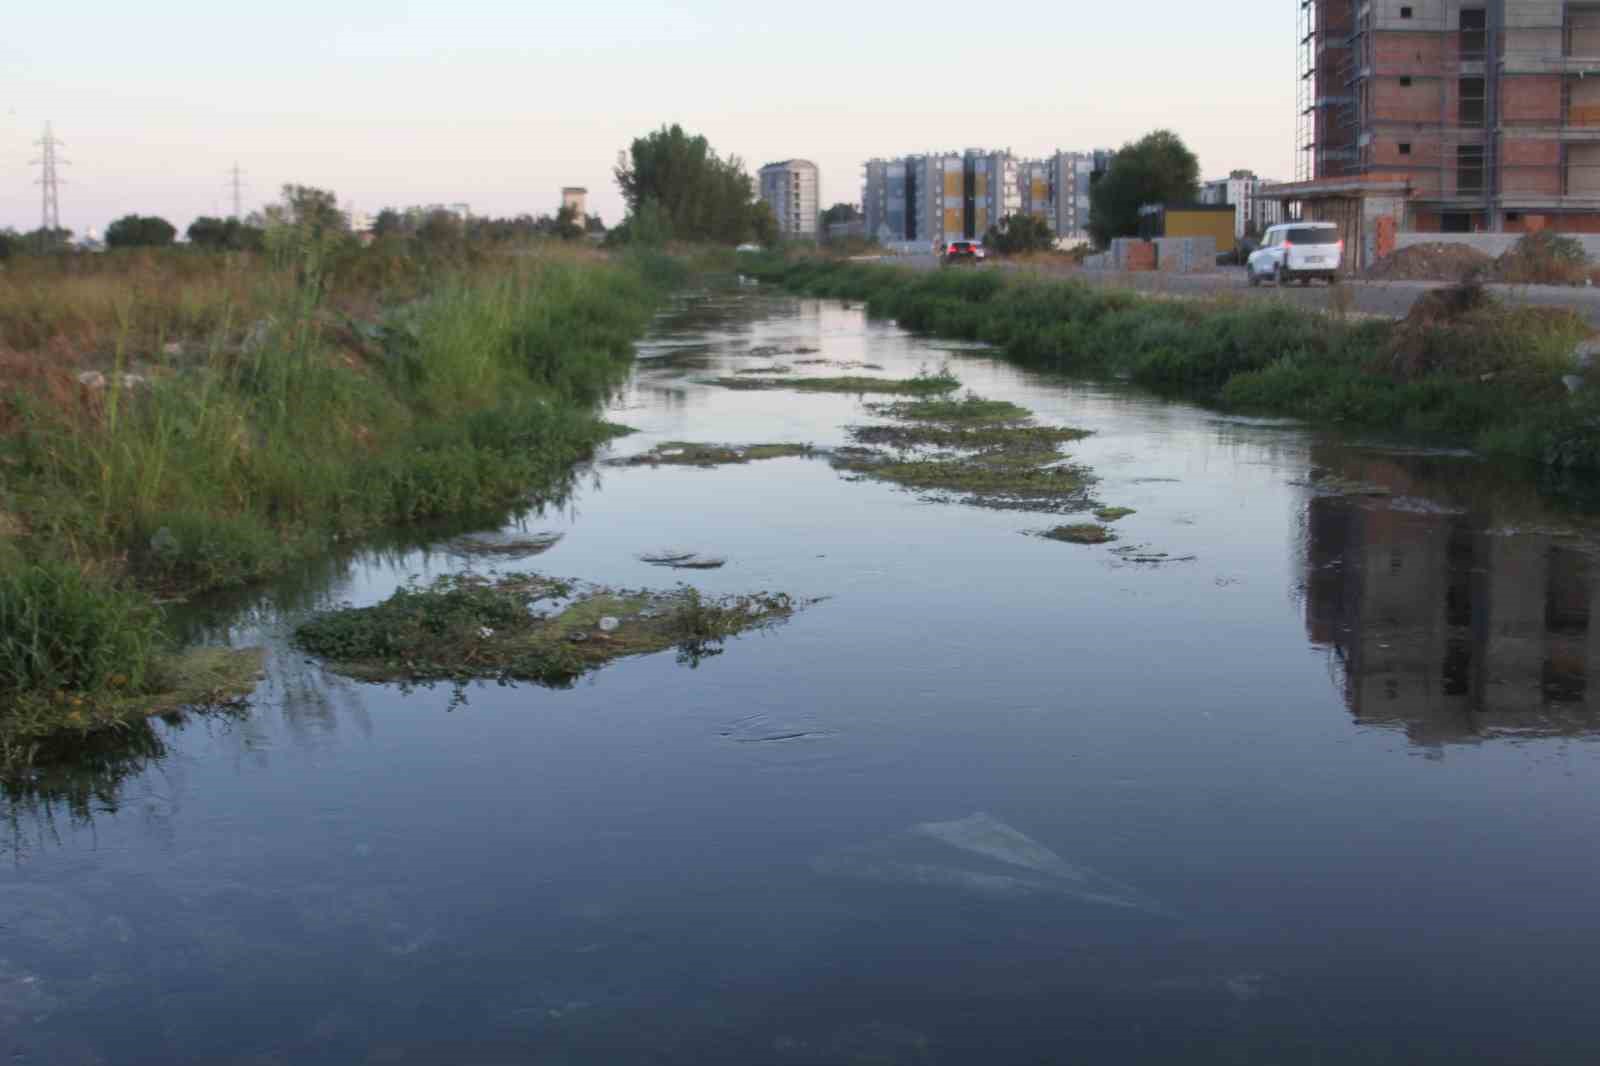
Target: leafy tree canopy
[
  {"x": 225, "y": 234},
  {"x": 1020, "y": 233},
  {"x": 140, "y": 231},
  {"x": 697, "y": 194},
  {"x": 1157, "y": 168},
  {"x": 841, "y": 213}
]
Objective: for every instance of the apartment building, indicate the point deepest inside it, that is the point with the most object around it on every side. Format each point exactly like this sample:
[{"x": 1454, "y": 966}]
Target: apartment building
[
  {"x": 1442, "y": 116},
  {"x": 945, "y": 196},
  {"x": 1253, "y": 212},
  {"x": 1071, "y": 175},
  {"x": 793, "y": 189}
]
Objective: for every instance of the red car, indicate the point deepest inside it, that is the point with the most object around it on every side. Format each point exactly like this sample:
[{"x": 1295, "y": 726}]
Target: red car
[{"x": 963, "y": 252}]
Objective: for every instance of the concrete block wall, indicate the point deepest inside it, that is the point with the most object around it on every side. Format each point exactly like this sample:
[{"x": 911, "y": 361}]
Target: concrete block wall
[
  {"x": 1494, "y": 244},
  {"x": 1185, "y": 255}
]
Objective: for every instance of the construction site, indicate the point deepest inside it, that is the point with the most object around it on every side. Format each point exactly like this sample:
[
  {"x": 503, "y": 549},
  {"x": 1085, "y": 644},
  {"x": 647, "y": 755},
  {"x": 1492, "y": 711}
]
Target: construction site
[{"x": 1439, "y": 117}]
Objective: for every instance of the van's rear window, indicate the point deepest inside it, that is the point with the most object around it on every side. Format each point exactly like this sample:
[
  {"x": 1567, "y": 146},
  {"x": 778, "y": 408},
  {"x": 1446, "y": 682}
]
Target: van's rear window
[{"x": 1310, "y": 235}]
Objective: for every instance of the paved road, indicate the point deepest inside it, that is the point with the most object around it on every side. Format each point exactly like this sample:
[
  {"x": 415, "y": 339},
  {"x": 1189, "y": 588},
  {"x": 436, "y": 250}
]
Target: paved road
[{"x": 1389, "y": 298}]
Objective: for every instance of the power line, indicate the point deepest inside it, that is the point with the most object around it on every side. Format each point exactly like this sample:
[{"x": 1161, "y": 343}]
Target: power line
[{"x": 49, "y": 181}]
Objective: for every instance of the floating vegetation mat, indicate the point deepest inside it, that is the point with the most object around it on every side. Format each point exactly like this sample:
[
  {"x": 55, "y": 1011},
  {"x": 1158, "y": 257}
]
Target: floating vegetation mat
[
  {"x": 1141, "y": 553},
  {"x": 504, "y": 543},
  {"x": 986, "y": 453},
  {"x": 968, "y": 409},
  {"x": 1112, "y": 514},
  {"x": 525, "y": 627},
  {"x": 678, "y": 560},
  {"x": 685, "y": 453},
  {"x": 920, "y": 385},
  {"x": 198, "y": 678},
  {"x": 1079, "y": 533}
]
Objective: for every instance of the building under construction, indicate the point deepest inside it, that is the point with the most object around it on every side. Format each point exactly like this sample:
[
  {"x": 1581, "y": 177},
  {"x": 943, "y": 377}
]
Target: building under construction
[{"x": 1437, "y": 116}]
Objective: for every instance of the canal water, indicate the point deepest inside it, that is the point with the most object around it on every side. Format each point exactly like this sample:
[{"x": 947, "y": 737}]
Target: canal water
[{"x": 1314, "y": 783}]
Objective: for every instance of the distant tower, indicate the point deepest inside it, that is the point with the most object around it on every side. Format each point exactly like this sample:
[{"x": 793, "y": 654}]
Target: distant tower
[
  {"x": 577, "y": 198},
  {"x": 50, "y": 210},
  {"x": 236, "y": 182}
]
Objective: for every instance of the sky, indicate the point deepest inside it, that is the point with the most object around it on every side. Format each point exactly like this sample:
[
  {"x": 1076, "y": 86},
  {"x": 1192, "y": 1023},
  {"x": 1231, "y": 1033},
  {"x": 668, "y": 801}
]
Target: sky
[{"x": 498, "y": 105}]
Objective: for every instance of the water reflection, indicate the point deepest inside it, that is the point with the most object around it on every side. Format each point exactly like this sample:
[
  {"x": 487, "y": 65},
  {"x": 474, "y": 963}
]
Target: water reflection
[{"x": 1462, "y": 614}]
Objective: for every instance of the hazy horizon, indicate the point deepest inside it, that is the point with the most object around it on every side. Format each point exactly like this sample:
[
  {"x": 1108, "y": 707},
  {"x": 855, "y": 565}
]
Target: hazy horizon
[{"x": 395, "y": 104}]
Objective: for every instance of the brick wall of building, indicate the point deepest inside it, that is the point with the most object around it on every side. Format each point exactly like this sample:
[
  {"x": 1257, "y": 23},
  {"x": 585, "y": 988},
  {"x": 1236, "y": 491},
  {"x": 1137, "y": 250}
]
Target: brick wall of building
[{"x": 1533, "y": 99}]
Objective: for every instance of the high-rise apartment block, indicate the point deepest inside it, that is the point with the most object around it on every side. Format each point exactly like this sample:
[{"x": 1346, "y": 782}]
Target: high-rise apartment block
[
  {"x": 948, "y": 196},
  {"x": 1253, "y": 211},
  {"x": 1447, "y": 116},
  {"x": 793, "y": 189}
]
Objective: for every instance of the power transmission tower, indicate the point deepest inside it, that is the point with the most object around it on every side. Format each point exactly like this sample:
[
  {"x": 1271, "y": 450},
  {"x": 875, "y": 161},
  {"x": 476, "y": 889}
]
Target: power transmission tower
[
  {"x": 50, "y": 209},
  {"x": 236, "y": 182}
]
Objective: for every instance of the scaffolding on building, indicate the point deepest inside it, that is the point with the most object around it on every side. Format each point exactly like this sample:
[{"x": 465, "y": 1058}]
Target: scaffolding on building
[{"x": 1485, "y": 113}]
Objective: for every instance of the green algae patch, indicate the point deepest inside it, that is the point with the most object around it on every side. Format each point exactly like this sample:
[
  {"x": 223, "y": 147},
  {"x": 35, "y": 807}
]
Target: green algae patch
[
  {"x": 920, "y": 385},
  {"x": 685, "y": 453},
  {"x": 1112, "y": 514},
  {"x": 966, "y": 437},
  {"x": 204, "y": 677},
  {"x": 776, "y": 368},
  {"x": 969, "y": 409},
  {"x": 1027, "y": 479},
  {"x": 1080, "y": 533},
  {"x": 525, "y": 627}
]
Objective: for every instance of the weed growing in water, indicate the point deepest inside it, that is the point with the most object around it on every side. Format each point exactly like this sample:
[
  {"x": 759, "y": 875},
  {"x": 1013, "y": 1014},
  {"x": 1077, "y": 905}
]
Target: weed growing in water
[
  {"x": 684, "y": 453},
  {"x": 1080, "y": 533},
  {"x": 1112, "y": 514},
  {"x": 464, "y": 627},
  {"x": 920, "y": 385},
  {"x": 969, "y": 408}
]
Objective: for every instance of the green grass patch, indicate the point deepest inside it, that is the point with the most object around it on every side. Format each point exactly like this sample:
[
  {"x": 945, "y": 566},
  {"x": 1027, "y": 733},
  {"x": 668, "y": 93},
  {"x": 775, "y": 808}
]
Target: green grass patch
[
  {"x": 967, "y": 409},
  {"x": 527, "y": 628},
  {"x": 1112, "y": 514},
  {"x": 1462, "y": 368}
]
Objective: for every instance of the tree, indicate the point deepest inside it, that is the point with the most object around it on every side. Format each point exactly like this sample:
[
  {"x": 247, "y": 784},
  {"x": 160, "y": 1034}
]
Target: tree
[
  {"x": 140, "y": 231},
  {"x": 44, "y": 241},
  {"x": 1019, "y": 234},
  {"x": 440, "y": 228},
  {"x": 1157, "y": 168},
  {"x": 224, "y": 234},
  {"x": 592, "y": 224},
  {"x": 698, "y": 195},
  {"x": 567, "y": 226},
  {"x": 763, "y": 224},
  {"x": 10, "y": 243},
  {"x": 841, "y": 213},
  {"x": 314, "y": 212},
  {"x": 390, "y": 223}
]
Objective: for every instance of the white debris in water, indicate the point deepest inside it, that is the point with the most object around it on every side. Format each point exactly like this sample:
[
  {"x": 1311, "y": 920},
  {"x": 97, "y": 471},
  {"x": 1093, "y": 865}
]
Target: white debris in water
[
  {"x": 609, "y": 623},
  {"x": 484, "y": 632}
]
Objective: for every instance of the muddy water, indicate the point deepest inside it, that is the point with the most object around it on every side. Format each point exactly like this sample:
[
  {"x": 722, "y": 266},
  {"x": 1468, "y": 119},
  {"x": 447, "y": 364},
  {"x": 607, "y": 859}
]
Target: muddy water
[{"x": 1325, "y": 792}]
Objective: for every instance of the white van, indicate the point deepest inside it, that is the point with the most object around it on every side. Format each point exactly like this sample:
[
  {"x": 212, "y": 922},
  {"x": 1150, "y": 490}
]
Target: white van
[{"x": 1297, "y": 251}]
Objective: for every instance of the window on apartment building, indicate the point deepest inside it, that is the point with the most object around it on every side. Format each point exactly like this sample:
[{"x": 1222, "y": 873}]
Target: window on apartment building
[
  {"x": 1405, "y": 147},
  {"x": 1474, "y": 33},
  {"x": 1405, "y": 12},
  {"x": 1469, "y": 168},
  {"x": 1470, "y": 97},
  {"x": 1405, "y": 83}
]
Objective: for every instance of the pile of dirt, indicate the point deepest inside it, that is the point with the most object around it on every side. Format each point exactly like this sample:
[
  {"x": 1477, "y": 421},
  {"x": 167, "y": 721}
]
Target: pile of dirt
[
  {"x": 1543, "y": 258},
  {"x": 1435, "y": 261}
]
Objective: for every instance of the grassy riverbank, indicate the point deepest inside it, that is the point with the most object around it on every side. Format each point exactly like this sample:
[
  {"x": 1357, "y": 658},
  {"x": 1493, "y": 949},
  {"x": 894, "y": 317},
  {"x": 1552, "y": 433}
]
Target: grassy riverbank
[
  {"x": 175, "y": 423},
  {"x": 1462, "y": 367}
]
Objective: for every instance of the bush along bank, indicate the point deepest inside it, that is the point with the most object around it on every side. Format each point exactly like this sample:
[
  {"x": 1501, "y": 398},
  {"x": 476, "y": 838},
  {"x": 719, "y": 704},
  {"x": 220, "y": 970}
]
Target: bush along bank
[
  {"x": 221, "y": 458},
  {"x": 1462, "y": 366}
]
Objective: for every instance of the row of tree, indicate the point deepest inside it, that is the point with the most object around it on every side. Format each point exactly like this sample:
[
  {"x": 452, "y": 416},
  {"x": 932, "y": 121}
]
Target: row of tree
[{"x": 676, "y": 186}]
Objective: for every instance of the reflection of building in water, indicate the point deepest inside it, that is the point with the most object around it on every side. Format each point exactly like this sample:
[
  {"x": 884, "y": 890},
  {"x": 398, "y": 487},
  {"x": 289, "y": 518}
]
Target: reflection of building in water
[{"x": 1452, "y": 629}]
